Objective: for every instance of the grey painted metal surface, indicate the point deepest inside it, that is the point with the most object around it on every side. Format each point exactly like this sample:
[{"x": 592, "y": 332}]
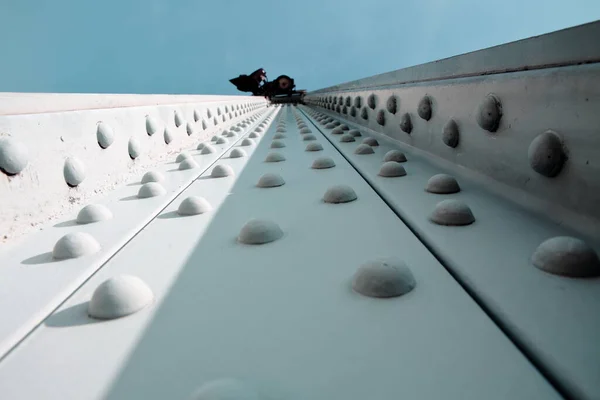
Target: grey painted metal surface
[
  {"x": 572, "y": 46},
  {"x": 281, "y": 316}
]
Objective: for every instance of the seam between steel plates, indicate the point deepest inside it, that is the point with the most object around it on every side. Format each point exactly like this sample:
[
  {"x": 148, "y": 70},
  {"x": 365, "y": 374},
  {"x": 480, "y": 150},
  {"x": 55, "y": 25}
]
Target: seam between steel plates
[
  {"x": 117, "y": 251},
  {"x": 535, "y": 362},
  {"x": 393, "y": 84}
]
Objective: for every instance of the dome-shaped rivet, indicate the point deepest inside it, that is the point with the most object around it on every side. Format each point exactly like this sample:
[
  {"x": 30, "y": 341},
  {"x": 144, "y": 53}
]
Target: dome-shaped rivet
[
  {"x": 330, "y": 125},
  {"x": 364, "y": 113},
  {"x": 259, "y": 231},
  {"x": 383, "y": 278},
  {"x": 424, "y": 109},
  {"x": 354, "y": 133},
  {"x": 73, "y": 171},
  {"x": 75, "y": 245},
  {"x": 489, "y": 113},
  {"x": 406, "y": 123},
  {"x": 339, "y": 194},
  {"x": 105, "y": 135},
  {"x": 372, "y": 101},
  {"x": 197, "y": 116},
  {"x": 314, "y": 147},
  {"x": 277, "y": 144},
  {"x": 182, "y": 156},
  {"x": 118, "y": 297},
  {"x": 546, "y": 154},
  {"x": 391, "y": 169},
  {"x": 151, "y": 126},
  {"x": 222, "y": 171},
  {"x": 215, "y": 121},
  {"x": 237, "y": 153},
  {"x": 364, "y": 149},
  {"x": 188, "y": 163},
  {"x": 193, "y": 205},
  {"x": 450, "y": 134},
  {"x": 341, "y": 100},
  {"x": 309, "y": 137},
  {"x": 270, "y": 180},
  {"x": 14, "y": 156},
  {"x": 442, "y": 184},
  {"x": 394, "y": 155},
  {"x": 281, "y": 130},
  {"x": 337, "y": 123},
  {"x": 168, "y": 136},
  {"x": 214, "y": 138},
  {"x": 392, "y": 104},
  {"x": 221, "y": 140},
  {"x": 323, "y": 163},
  {"x": 134, "y": 148},
  {"x": 358, "y": 102},
  {"x": 279, "y": 136},
  {"x": 353, "y": 111},
  {"x": 189, "y": 128},
  {"x": 253, "y": 135},
  {"x": 305, "y": 130},
  {"x": 346, "y": 138},
  {"x": 93, "y": 213},
  {"x": 208, "y": 113},
  {"x": 370, "y": 141},
  {"x": 452, "y": 212},
  {"x": 208, "y": 149},
  {"x": 178, "y": 119},
  {"x": 247, "y": 142},
  {"x": 204, "y": 125},
  {"x": 381, "y": 117},
  {"x": 152, "y": 176},
  {"x": 348, "y": 101},
  {"x": 337, "y": 131},
  {"x": 230, "y": 135},
  {"x": 151, "y": 189},
  {"x": 567, "y": 256}
]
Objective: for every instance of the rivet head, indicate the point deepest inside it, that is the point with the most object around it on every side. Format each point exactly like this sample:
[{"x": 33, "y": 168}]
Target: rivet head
[
  {"x": 197, "y": 116},
  {"x": 406, "y": 123},
  {"x": 424, "y": 108},
  {"x": 372, "y": 101},
  {"x": 188, "y": 163},
  {"x": 346, "y": 138},
  {"x": 151, "y": 189},
  {"x": 208, "y": 149},
  {"x": 152, "y": 176},
  {"x": 337, "y": 131},
  {"x": 348, "y": 101},
  {"x": 222, "y": 171},
  {"x": 338, "y": 109},
  {"x": 394, "y": 155},
  {"x": 358, "y": 102},
  {"x": 259, "y": 130},
  {"x": 221, "y": 140},
  {"x": 450, "y": 134},
  {"x": 270, "y": 180},
  {"x": 314, "y": 146},
  {"x": 370, "y": 141},
  {"x": 339, "y": 194},
  {"x": 214, "y": 138},
  {"x": 208, "y": 113},
  {"x": 281, "y": 130},
  {"x": 73, "y": 171},
  {"x": 567, "y": 256},
  {"x": 204, "y": 125},
  {"x": 383, "y": 278},
  {"x": 225, "y": 389},
  {"x": 230, "y": 134},
  {"x": 354, "y": 133},
  {"x": 279, "y": 136},
  {"x": 442, "y": 184},
  {"x": 118, "y": 297},
  {"x": 277, "y": 144},
  {"x": 247, "y": 142},
  {"x": 104, "y": 135},
  {"x": 452, "y": 213},
  {"x": 189, "y": 128},
  {"x": 344, "y": 110},
  {"x": 392, "y": 104},
  {"x": 341, "y": 100},
  {"x": 93, "y": 213},
  {"x": 178, "y": 119},
  {"x": 215, "y": 121},
  {"x": 330, "y": 125},
  {"x": 363, "y": 149},
  {"x": 193, "y": 205},
  {"x": 168, "y": 136},
  {"x": 75, "y": 245},
  {"x": 344, "y": 127},
  {"x": 14, "y": 156},
  {"x": 260, "y": 231},
  {"x": 305, "y": 130},
  {"x": 134, "y": 148},
  {"x": 364, "y": 114},
  {"x": 151, "y": 126},
  {"x": 353, "y": 111},
  {"x": 323, "y": 163},
  {"x": 309, "y": 137},
  {"x": 237, "y": 153},
  {"x": 489, "y": 113},
  {"x": 546, "y": 154},
  {"x": 391, "y": 169},
  {"x": 253, "y": 135},
  {"x": 182, "y": 156}
]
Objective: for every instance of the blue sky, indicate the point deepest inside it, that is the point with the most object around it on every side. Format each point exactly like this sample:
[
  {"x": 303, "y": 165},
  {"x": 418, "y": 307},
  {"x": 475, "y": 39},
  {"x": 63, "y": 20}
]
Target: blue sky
[{"x": 185, "y": 46}]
